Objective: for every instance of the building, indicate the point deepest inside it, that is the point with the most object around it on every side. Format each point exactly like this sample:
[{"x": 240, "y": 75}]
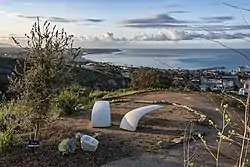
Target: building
[{"x": 216, "y": 84}]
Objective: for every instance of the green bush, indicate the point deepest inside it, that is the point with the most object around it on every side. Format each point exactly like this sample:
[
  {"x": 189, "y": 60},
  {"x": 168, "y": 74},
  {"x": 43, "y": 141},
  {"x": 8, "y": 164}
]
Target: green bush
[
  {"x": 6, "y": 139},
  {"x": 145, "y": 78},
  {"x": 70, "y": 99},
  {"x": 6, "y": 132}
]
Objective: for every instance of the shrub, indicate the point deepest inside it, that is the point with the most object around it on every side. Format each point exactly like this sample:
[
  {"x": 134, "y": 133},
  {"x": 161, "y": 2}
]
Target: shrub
[
  {"x": 70, "y": 98},
  {"x": 43, "y": 72},
  {"x": 145, "y": 78},
  {"x": 6, "y": 139},
  {"x": 7, "y": 127}
]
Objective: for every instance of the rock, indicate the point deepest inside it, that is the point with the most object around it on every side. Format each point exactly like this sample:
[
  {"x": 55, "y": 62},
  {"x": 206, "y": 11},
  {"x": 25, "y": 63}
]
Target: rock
[
  {"x": 67, "y": 146},
  {"x": 204, "y": 121},
  {"x": 177, "y": 140},
  {"x": 168, "y": 143}
]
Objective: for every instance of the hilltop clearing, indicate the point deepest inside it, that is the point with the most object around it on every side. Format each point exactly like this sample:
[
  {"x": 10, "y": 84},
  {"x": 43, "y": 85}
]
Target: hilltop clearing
[{"x": 139, "y": 148}]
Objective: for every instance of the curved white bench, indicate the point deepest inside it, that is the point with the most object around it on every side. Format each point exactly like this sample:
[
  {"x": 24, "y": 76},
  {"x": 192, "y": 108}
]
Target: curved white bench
[
  {"x": 100, "y": 116},
  {"x": 130, "y": 120}
]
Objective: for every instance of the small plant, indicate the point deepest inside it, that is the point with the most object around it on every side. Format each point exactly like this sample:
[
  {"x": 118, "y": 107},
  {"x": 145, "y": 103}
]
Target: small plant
[
  {"x": 221, "y": 132},
  {"x": 6, "y": 139},
  {"x": 6, "y": 131},
  {"x": 189, "y": 153}
]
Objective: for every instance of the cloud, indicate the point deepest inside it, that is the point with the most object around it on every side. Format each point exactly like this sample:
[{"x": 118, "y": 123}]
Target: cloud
[
  {"x": 106, "y": 37},
  {"x": 95, "y": 20},
  {"x": 157, "y": 19},
  {"x": 28, "y": 4},
  {"x": 217, "y": 19},
  {"x": 157, "y": 25},
  {"x": 27, "y": 17},
  {"x": 166, "y": 35},
  {"x": 227, "y": 35},
  {"x": 223, "y": 27},
  {"x": 2, "y": 12},
  {"x": 60, "y": 19},
  {"x": 172, "y": 6},
  {"x": 167, "y": 21},
  {"x": 178, "y": 12},
  {"x": 52, "y": 19}
]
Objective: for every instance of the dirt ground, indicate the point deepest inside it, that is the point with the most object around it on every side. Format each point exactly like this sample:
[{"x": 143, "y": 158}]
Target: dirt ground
[{"x": 119, "y": 148}]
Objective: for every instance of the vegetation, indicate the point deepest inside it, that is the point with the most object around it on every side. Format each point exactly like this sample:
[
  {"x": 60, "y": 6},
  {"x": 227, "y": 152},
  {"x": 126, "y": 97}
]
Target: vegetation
[
  {"x": 9, "y": 125},
  {"x": 71, "y": 99},
  {"x": 6, "y": 133},
  {"x": 43, "y": 73},
  {"x": 145, "y": 78},
  {"x": 222, "y": 132},
  {"x": 76, "y": 98},
  {"x": 232, "y": 101},
  {"x": 233, "y": 129}
]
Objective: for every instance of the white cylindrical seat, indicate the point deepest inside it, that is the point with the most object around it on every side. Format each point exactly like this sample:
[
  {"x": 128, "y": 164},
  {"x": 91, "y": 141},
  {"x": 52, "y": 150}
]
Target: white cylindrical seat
[{"x": 100, "y": 116}]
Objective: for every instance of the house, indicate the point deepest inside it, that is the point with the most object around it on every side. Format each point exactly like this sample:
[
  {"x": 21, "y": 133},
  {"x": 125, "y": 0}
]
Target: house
[
  {"x": 230, "y": 81},
  {"x": 213, "y": 84},
  {"x": 243, "y": 91},
  {"x": 196, "y": 81}
]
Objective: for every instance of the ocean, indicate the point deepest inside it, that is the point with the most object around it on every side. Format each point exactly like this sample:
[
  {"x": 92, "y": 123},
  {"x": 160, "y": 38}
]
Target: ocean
[{"x": 176, "y": 58}]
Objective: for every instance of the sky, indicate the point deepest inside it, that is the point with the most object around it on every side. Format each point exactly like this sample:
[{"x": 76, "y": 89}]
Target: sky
[{"x": 134, "y": 23}]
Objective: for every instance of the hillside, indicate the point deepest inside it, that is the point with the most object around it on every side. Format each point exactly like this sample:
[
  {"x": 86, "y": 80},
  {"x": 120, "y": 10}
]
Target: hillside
[{"x": 92, "y": 79}]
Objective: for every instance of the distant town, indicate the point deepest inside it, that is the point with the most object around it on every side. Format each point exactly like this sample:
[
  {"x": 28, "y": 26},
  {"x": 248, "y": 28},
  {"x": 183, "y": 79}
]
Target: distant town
[{"x": 211, "y": 79}]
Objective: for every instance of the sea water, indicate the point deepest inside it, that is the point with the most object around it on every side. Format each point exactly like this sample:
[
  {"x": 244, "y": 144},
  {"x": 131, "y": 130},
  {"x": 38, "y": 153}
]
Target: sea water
[{"x": 176, "y": 58}]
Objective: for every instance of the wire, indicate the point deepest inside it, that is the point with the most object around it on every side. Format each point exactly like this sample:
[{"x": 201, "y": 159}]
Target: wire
[
  {"x": 225, "y": 46},
  {"x": 237, "y": 7}
]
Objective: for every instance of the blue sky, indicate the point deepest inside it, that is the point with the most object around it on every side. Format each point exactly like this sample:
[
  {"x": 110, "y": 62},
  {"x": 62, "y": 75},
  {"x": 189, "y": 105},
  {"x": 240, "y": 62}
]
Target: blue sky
[{"x": 133, "y": 23}]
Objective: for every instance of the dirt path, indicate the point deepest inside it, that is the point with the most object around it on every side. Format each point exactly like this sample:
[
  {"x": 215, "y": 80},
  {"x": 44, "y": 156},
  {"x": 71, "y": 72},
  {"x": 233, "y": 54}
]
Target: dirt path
[{"x": 173, "y": 157}]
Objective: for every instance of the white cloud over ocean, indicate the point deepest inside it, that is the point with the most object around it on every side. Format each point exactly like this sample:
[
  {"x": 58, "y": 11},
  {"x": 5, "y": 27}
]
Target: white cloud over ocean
[{"x": 166, "y": 35}]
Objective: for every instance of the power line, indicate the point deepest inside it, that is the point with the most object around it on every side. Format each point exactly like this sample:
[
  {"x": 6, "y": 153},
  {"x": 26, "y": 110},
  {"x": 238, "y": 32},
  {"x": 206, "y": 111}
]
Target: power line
[
  {"x": 225, "y": 46},
  {"x": 236, "y": 7}
]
